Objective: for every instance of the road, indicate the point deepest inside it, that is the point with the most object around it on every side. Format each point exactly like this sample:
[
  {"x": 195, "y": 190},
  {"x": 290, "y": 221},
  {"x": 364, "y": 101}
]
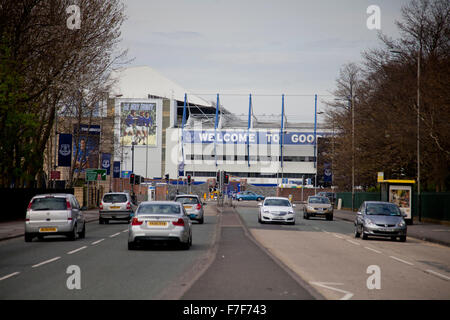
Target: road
[
  {"x": 232, "y": 257},
  {"x": 326, "y": 255},
  {"x": 37, "y": 270}
]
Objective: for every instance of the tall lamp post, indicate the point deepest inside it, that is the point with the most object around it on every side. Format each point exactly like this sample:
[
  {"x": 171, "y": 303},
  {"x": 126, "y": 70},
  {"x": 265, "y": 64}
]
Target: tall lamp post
[{"x": 419, "y": 54}]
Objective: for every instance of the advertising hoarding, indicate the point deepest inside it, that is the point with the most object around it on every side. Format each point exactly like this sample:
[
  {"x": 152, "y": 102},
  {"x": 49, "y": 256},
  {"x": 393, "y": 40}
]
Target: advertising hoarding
[
  {"x": 401, "y": 196},
  {"x": 138, "y": 124}
]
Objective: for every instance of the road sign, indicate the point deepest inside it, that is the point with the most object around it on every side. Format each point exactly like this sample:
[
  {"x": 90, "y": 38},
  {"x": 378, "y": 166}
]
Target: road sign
[{"x": 95, "y": 174}]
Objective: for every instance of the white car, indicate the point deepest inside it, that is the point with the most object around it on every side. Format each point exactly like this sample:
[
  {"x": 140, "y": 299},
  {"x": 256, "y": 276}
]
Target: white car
[{"x": 276, "y": 209}]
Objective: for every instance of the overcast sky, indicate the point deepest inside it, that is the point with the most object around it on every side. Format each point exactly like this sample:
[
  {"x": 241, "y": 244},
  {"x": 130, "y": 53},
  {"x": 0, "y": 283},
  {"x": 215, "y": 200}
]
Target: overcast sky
[{"x": 254, "y": 46}]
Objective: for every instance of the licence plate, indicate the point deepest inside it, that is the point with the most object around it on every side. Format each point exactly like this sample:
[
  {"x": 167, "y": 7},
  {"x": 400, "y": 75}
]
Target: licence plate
[
  {"x": 188, "y": 207},
  {"x": 157, "y": 223},
  {"x": 115, "y": 207},
  {"x": 48, "y": 229}
]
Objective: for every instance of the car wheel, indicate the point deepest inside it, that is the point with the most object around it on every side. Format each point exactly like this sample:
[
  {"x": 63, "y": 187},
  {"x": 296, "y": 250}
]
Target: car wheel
[
  {"x": 292, "y": 223},
  {"x": 105, "y": 221},
  {"x": 259, "y": 218},
  {"x": 28, "y": 237},
  {"x": 305, "y": 216},
  {"x": 330, "y": 217},
  {"x": 40, "y": 237},
  {"x": 82, "y": 234},
  {"x": 131, "y": 246},
  {"x": 73, "y": 234},
  {"x": 403, "y": 238},
  {"x": 186, "y": 245},
  {"x": 201, "y": 220},
  {"x": 357, "y": 234},
  {"x": 239, "y": 199},
  {"x": 363, "y": 235}
]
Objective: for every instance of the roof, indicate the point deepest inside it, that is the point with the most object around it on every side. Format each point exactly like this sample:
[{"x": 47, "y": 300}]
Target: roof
[{"x": 141, "y": 81}]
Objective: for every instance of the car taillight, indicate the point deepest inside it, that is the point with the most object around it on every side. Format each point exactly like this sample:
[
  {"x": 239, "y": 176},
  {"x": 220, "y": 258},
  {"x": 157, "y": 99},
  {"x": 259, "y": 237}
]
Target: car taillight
[
  {"x": 180, "y": 222},
  {"x": 128, "y": 206},
  {"x": 199, "y": 206},
  {"x": 101, "y": 205},
  {"x": 69, "y": 207},
  {"x": 29, "y": 206},
  {"x": 136, "y": 222}
]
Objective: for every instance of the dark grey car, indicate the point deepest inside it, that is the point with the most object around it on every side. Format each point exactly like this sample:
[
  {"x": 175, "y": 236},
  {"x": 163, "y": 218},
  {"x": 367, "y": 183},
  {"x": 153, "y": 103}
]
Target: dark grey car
[{"x": 381, "y": 219}]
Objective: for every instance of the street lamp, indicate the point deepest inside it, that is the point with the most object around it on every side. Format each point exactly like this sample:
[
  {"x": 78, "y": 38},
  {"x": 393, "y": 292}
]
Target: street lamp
[
  {"x": 316, "y": 156},
  {"x": 419, "y": 54}
]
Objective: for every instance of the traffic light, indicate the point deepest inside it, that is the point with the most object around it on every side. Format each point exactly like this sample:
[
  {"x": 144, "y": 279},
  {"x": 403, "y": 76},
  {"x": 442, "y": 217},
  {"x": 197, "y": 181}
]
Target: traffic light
[
  {"x": 189, "y": 179},
  {"x": 218, "y": 176},
  {"x": 132, "y": 178},
  {"x": 226, "y": 178},
  {"x": 137, "y": 179},
  {"x": 166, "y": 177}
]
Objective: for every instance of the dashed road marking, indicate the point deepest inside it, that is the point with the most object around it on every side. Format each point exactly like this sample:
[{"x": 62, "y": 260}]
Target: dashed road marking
[
  {"x": 347, "y": 295},
  {"x": 435, "y": 273},
  {"x": 371, "y": 249},
  {"x": 76, "y": 250},
  {"x": 398, "y": 259},
  {"x": 337, "y": 236},
  {"x": 125, "y": 231},
  {"x": 351, "y": 241},
  {"x": 96, "y": 242},
  {"x": 45, "y": 262},
  {"x": 9, "y": 276},
  {"x": 114, "y": 235}
]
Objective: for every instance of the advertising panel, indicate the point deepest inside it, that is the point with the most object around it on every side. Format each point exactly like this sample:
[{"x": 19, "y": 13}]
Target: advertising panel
[
  {"x": 401, "y": 196},
  {"x": 85, "y": 147},
  {"x": 138, "y": 124}
]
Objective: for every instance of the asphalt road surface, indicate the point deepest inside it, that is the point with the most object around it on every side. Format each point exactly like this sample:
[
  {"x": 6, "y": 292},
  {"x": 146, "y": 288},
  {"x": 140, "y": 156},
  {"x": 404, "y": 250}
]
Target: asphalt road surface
[
  {"x": 328, "y": 256},
  {"x": 37, "y": 270}
]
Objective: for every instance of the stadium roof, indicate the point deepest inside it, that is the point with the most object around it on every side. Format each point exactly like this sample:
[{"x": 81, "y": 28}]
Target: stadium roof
[{"x": 142, "y": 81}]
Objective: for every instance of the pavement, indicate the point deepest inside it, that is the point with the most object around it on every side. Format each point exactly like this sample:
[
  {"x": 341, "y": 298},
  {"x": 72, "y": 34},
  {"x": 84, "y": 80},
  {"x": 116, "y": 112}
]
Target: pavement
[{"x": 436, "y": 233}]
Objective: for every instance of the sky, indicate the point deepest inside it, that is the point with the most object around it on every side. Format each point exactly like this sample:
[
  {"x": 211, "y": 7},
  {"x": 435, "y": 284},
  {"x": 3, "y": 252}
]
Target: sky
[{"x": 263, "y": 47}]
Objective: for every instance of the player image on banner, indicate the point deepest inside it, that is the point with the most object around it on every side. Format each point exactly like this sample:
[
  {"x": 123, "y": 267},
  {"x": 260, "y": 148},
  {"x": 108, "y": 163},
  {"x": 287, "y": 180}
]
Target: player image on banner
[
  {"x": 85, "y": 147},
  {"x": 138, "y": 124}
]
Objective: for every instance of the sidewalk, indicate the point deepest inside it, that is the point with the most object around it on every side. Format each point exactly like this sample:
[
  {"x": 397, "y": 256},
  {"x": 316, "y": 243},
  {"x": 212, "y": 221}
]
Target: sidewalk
[
  {"x": 431, "y": 232},
  {"x": 15, "y": 229}
]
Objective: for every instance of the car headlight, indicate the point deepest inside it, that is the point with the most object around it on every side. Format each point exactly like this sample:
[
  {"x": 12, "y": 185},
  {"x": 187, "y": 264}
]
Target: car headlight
[
  {"x": 369, "y": 223},
  {"x": 291, "y": 212},
  {"x": 266, "y": 210},
  {"x": 401, "y": 224},
  {"x": 309, "y": 208}
]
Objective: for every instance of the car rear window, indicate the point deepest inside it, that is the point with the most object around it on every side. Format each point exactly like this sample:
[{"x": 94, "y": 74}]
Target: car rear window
[
  {"x": 49, "y": 204},
  {"x": 187, "y": 200},
  {"x": 114, "y": 198},
  {"x": 158, "y": 209}
]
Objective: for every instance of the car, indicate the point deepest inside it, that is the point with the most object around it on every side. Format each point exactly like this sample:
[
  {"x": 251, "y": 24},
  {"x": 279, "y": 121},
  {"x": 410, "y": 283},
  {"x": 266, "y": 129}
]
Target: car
[
  {"x": 249, "y": 195},
  {"x": 318, "y": 206},
  {"x": 54, "y": 214},
  {"x": 330, "y": 195},
  {"x": 165, "y": 221},
  {"x": 276, "y": 209},
  {"x": 381, "y": 219},
  {"x": 116, "y": 206},
  {"x": 193, "y": 206}
]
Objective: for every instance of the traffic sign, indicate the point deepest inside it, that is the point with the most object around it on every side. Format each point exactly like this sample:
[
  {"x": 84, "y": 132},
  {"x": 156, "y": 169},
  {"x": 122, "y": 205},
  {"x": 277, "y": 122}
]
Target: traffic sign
[{"x": 95, "y": 174}]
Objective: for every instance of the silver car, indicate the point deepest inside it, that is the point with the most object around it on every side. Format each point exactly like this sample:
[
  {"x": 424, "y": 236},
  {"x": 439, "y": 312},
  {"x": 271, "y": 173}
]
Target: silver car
[
  {"x": 54, "y": 214},
  {"x": 160, "y": 221},
  {"x": 116, "y": 206},
  {"x": 193, "y": 206},
  {"x": 381, "y": 219},
  {"x": 276, "y": 209},
  {"x": 318, "y": 206}
]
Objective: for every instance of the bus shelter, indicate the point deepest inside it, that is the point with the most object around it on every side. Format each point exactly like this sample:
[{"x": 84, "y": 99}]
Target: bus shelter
[{"x": 399, "y": 192}]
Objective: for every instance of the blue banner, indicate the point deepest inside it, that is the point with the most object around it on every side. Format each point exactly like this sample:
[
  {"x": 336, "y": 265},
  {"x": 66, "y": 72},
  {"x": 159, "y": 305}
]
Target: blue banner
[
  {"x": 254, "y": 137},
  {"x": 116, "y": 169},
  {"x": 327, "y": 173},
  {"x": 106, "y": 162},
  {"x": 65, "y": 150}
]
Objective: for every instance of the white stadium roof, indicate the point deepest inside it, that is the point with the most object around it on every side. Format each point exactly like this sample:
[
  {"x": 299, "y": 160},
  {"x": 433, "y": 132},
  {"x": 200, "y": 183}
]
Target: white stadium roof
[{"x": 142, "y": 81}]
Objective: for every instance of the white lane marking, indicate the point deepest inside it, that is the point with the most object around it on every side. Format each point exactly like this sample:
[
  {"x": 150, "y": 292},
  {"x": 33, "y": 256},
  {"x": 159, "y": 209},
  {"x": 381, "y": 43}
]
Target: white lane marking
[
  {"x": 96, "y": 242},
  {"x": 76, "y": 250},
  {"x": 398, "y": 259},
  {"x": 435, "y": 273},
  {"x": 316, "y": 228},
  {"x": 337, "y": 236},
  {"x": 9, "y": 275},
  {"x": 45, "y": 262},
  {"x": 114, "y": 235},
  {"x": 125, "y": 231},
  {"x": 373, "y": 250},
  {"x": 325, "y": 231},
  {"x": 347, "y": 295},
  {"x": 351, "y": 241}
]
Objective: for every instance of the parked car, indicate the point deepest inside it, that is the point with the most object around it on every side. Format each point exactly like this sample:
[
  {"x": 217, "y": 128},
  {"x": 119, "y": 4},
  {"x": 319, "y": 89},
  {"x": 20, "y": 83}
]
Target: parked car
[
  {"x": 276, "y": 209},
  {"x": 54, "y": 214},
  {"x": 330, "y": 195},
  {"x": 248, "y": 195},
  {"x": 193, "y": 206},
  {"x": 116, "y": 206},
  {"x": 381, "y": 219},
  {"x": 160, "y": 221},
  {"x": 318, "y": 206}
]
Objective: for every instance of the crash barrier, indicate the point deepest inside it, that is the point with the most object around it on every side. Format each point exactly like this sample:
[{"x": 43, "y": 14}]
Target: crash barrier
[{"x": 15, "y": 201}]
